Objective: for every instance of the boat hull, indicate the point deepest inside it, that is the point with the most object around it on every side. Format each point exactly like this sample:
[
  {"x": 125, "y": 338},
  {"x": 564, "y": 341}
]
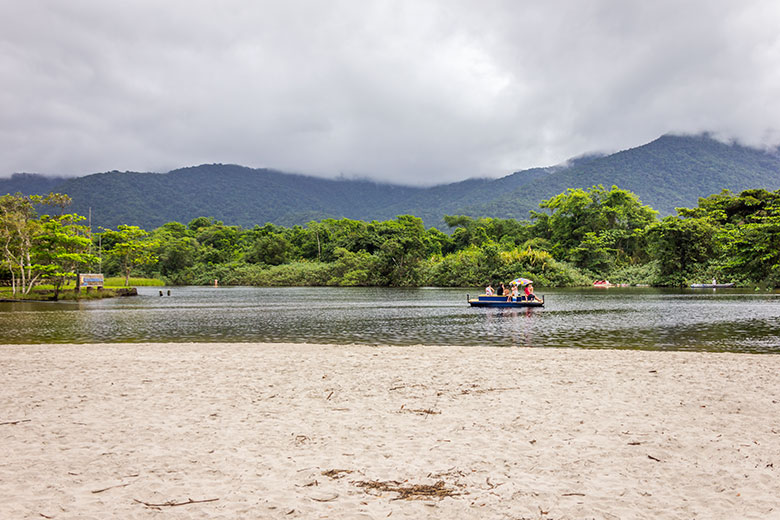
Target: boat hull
[
  {"x": 712, "y": 285},
  {"x": 500, "y": 301}
]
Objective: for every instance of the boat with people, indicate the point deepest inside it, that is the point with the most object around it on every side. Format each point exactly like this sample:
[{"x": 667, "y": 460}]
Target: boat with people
[
  {"x": 510, "y": 297},
  {"x": 484, "y": 300}
]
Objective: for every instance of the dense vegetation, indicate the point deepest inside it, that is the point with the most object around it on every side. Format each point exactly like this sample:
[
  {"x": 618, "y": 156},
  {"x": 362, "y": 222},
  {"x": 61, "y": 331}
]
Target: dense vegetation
[
  {"x": 576, "y": 237},
  {"x": 671, "y": 172}
]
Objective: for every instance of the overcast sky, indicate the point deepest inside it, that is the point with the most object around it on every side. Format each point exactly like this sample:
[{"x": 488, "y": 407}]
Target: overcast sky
[{"x": 414, "y": 92}]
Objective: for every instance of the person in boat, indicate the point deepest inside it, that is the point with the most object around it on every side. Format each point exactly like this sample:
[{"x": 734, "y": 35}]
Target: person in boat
[
  {"x": 529, "y": 294},
  {"x": 489, "y": 290},
  {"x": 501, "y": 290},
  {"x": 514, "y": 294}
]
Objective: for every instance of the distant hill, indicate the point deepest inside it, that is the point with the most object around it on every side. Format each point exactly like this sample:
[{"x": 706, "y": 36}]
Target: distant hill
[
  {"x": 670, "y": 172},
  {"x": 30, "y": 184}
]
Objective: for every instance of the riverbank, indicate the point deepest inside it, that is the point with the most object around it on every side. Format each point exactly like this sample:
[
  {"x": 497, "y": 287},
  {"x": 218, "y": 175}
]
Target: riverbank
[
  {"x": 311, "y": 431},
  {"x": 46, "y": 295}
]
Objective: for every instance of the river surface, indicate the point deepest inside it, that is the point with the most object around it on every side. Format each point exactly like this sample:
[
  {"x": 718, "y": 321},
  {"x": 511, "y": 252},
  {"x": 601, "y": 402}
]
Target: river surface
[{"x": 632, "y": 318}]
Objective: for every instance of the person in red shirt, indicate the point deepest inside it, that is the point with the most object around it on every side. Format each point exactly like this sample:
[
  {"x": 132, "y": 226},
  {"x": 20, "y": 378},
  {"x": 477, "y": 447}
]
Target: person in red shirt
[{"x": 529, "y": 293}]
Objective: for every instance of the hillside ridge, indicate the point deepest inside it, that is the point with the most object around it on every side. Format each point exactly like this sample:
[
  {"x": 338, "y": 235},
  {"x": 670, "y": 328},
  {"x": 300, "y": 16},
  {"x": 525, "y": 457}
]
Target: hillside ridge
[{"x": 668, "y": 172}]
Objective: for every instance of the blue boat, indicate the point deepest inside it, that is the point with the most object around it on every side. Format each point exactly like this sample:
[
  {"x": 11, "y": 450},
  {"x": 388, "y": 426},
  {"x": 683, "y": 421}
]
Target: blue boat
[{"x": 501, "y": 301}]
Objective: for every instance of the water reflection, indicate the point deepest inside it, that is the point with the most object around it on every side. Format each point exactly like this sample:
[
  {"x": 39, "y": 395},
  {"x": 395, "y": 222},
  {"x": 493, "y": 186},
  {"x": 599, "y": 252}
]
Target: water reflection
[{"x": 584, "y": 318}]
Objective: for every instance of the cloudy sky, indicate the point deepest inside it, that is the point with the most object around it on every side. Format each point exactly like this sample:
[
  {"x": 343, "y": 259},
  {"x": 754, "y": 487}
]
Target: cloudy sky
[{"x": 407, "y": 91}]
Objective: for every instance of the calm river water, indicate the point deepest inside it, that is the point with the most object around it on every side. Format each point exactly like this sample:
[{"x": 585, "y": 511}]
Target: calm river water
[{"x": 724, "y": 320}]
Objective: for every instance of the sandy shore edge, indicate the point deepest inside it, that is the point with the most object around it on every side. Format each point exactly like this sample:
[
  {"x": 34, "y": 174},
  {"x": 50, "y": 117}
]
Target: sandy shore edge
[{"x": 324, "y": 431}]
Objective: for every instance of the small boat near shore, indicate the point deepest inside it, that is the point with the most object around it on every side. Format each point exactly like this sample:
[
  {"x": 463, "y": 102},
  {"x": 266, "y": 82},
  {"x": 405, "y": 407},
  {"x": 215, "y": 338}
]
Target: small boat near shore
[
  {"x": 484, "y": 300},
  {"x": 712, "y": 285}
]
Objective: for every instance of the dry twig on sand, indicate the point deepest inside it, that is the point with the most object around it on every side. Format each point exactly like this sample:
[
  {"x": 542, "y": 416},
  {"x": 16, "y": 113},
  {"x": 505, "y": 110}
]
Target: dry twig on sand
[
  {"x": 111, "y": 487},
  {"x": 421, "y": 411},
  {"x": 467, "y": 391},
  {"x": 410, "y": 492},
  {"x": 15, "y": 422},
  {"x": 171, "y": 503}
]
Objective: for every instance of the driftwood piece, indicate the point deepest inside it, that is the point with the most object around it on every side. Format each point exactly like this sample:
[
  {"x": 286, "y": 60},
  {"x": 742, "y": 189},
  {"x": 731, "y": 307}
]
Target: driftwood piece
[
  {"x": 15, "y": 422},
  {"x": 171, "y": 503},
  {"x": 111, "y": 487},
  {"x": 420, "y": 411}
]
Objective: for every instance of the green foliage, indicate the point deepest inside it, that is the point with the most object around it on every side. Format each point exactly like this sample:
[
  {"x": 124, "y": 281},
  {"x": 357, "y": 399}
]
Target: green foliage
[
  {"x": 130, "y": 245},
  {"x": 596, "y": 229},
  {"x": 637, "y": 274},
  {"x": 46, "y": 248},
  {"x": 479, "y": 266},
  {"x": 579, "y": 235},
  {"x": 582, "y": 235},
  {"x": 682, "y": 247},
  {"x": 62, "y": 248}
]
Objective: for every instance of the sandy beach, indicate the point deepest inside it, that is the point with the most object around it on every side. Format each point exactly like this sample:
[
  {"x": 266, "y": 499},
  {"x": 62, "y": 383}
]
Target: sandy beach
[{"x": 318, "y": 431}]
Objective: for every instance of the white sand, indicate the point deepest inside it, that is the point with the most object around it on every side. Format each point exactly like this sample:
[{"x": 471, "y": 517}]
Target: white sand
[{"x": 516, "y": 433}]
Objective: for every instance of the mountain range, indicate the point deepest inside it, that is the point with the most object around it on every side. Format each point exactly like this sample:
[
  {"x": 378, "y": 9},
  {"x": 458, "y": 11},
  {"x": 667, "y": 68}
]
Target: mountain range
[{"x": 672, "y": 171}]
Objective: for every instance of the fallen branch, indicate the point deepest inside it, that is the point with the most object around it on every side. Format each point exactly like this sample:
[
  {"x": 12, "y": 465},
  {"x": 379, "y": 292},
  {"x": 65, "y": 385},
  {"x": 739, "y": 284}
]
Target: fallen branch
[
  {"x": 171, "y": 503},
  {"x": 467, "y": 391},
  {"x": 15, "y": 422},
  {"x": 111, "y": 487},
  {"x": 653, "y": 458},
  {"x": 421, "y": 411}
]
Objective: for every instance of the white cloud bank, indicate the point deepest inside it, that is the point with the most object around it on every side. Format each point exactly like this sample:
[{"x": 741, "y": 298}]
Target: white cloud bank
[{"x": 415, "y": 92}]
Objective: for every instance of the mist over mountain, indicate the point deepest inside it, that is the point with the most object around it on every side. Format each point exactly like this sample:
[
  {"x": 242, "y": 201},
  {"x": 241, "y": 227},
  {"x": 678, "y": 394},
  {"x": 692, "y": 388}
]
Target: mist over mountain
[{"x": 670, "y": 172}]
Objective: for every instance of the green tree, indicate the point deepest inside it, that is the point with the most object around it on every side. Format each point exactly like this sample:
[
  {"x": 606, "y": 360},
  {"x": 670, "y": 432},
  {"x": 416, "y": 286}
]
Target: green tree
[
  {"x": 682, "y": 247},
  {"x": 62, "y": 247},
  {"x": 18, "y": 225},
  {"x": 269, "y": 249},
  {"x": 19, "y": 230},
  {"x": 131, "y": 246},
  {"x": 594, "y": 228},
  {"x": 402, "y": 250}
]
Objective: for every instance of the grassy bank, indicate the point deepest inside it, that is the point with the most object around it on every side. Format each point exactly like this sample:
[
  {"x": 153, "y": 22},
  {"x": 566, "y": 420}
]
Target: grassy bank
[
  {"x": 119, "y": 281},
  {"x": 114, "y": 287}
]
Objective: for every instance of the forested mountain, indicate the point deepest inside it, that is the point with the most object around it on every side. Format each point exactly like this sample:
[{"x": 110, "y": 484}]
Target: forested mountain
[
  {"x": 669, "y": 172},
  {"x": 30, "y": 184}
]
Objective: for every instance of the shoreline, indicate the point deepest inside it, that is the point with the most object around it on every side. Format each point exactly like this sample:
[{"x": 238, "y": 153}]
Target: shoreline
[{"x": 302, "y": 431}]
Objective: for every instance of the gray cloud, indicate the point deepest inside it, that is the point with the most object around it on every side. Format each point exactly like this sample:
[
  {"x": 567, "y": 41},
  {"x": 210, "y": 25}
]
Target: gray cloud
[{"x": 414, "y": 92}]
